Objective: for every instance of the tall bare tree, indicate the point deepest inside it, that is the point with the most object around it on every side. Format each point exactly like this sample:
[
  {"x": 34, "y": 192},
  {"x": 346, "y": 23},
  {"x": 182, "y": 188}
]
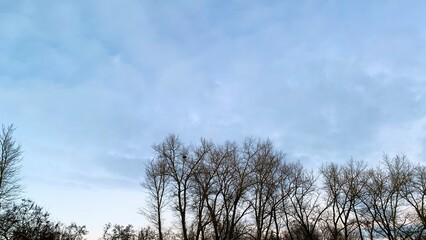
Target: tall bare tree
[
  {"x": 221, "y": 190},
  {"x": 10, "y": 159},
  {"x": 155, "y": 182},
  {"x": 303, "y": 208},
  {"x": 280, "y": 198},
  {"x": 237, "y": 197},
  {"x": 354, "y": 182},
  {"x": 415, "y": 195},
  {"x": 343, "y": 186},
  {"x": 334, "y": 190},
  {"x": 175, "y": 154},
  {"x": 182, "y": 163},
  {"x": 264, "y": 183},
  {"x": 384, "y": 202},
  {"x": 227, "y": 204}
]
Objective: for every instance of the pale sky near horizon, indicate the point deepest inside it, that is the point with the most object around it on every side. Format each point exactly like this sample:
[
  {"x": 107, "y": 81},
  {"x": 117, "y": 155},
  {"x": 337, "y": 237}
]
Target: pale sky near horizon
[{"x": 91, "y": 85}]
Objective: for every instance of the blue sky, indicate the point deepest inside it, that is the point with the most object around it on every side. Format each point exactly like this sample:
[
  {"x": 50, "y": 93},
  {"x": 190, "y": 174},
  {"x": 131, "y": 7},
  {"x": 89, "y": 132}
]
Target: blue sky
[{"x": 91, "y": 85}]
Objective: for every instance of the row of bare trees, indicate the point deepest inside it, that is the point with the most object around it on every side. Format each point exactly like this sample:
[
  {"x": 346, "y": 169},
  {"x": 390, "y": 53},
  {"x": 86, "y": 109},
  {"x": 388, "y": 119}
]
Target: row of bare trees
[
  {"x": 242, "y": 191},
  {"x": 251, "y": 191},
  {"x": 387, "y": 201}
]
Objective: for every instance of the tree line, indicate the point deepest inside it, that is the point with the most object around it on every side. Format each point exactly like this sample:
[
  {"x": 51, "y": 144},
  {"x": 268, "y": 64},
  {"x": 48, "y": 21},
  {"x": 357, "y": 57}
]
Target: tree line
[
  {"x": 252, "y": 191},
  {"x": 247, "y": 190}
]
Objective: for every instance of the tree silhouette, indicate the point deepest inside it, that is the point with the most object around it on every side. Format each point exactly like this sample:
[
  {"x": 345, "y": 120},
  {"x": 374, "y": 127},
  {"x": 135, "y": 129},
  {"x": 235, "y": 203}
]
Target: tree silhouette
[{"x": 10, "y": 158}]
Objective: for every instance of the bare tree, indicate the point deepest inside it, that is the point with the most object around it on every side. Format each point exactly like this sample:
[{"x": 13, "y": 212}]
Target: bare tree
[
  {"x": 155, "y": 182},
  {"x": 181, "y": 167},
  {"x": 202, "y": 186},
  {"x": 11, "y": 152},
  {"x": 354, "y": 188},
  {"x": 228, "y": 185},
  {"x": 216, "y": 178},
  {"x": 303, "y": 207},
  {"x": 343, "y": 186},
  {"x": 236, "y": 191},
  {"x": 333, "y": 189},
  {"x": 175, "y": 154},
  {"x": 415, "y": 195},
  {"x": 264, "y": 181},
  {"x": 384, "y": 202},
  {"x": 280, "y": 198}
]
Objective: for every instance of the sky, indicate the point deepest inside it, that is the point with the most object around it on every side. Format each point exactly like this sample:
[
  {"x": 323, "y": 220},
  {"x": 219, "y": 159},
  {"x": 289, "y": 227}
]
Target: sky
[{"x": 91, "y": 85}]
